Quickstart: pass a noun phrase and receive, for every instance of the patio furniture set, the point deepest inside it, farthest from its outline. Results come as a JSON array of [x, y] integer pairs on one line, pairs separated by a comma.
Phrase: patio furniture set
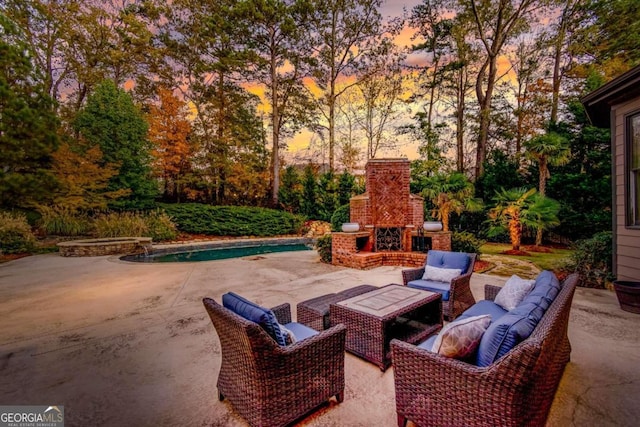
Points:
[[490, 365]]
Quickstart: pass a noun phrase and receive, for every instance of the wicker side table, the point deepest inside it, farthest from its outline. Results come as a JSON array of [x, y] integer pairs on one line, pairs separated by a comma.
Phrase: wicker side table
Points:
[[314, 312]]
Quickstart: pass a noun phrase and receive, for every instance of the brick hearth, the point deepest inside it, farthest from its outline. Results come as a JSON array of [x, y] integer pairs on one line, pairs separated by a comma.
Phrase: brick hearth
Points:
[[387, 204]]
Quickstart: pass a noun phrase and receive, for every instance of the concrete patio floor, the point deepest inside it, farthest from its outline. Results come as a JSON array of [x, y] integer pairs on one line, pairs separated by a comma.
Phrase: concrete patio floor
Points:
[[126, 344]]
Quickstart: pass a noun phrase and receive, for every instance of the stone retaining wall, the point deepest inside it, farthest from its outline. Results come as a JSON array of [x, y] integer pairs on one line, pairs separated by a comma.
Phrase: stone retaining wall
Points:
[[107, 246]]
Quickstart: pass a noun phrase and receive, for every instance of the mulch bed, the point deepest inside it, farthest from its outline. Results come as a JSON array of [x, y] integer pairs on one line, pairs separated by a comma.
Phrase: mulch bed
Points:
[[11, 257], [538, 249], [515, 253], [482, 266]]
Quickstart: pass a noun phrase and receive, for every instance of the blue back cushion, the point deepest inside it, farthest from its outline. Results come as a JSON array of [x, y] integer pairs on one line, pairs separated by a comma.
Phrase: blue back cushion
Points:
[[519, 323], [255, 313], [484, 307], [502, 335], [544, 291], [444, 259]]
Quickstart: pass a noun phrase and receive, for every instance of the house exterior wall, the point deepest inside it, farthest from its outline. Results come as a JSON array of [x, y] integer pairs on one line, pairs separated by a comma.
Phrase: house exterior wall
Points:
[[627, 239]]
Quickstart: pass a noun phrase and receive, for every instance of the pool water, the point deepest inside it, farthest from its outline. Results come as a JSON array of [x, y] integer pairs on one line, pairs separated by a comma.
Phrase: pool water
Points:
[[211, 254]]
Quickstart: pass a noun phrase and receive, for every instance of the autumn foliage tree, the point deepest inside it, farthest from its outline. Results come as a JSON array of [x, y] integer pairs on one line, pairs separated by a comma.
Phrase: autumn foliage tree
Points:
[[169, 131], [82, 180]]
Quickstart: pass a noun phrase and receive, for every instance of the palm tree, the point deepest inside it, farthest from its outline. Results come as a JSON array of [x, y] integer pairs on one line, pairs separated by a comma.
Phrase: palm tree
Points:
[[550, 149], [519, 208], [450, 193]]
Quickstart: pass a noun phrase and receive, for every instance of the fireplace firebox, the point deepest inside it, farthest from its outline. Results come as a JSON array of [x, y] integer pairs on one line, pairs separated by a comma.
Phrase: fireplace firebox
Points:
[[388, 239]]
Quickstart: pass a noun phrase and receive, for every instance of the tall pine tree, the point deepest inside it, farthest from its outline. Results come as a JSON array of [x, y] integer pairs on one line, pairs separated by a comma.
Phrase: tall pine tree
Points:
[[111, 121], [28, 124]]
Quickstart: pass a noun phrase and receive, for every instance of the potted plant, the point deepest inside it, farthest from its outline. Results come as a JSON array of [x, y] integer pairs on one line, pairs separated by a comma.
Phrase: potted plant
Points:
[[628, 293]]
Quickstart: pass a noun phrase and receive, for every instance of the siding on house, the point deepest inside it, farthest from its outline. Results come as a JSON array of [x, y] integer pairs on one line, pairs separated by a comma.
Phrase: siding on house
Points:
[[627, 264]]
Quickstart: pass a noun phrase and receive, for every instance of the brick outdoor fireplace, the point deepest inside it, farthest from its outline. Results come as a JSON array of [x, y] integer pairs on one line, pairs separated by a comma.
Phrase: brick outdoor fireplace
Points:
[[390, 220]]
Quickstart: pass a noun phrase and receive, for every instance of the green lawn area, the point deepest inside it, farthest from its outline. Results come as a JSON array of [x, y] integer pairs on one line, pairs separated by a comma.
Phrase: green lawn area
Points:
[[545, 261]]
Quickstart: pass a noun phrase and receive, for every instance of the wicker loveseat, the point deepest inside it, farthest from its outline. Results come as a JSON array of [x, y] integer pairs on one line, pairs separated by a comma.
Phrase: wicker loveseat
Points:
[[516, 389], [270, 384], [456, 296]]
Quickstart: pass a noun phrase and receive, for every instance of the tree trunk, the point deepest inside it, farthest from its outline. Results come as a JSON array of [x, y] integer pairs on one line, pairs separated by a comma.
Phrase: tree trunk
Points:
[[219, 194], [515, 233], [275, 125], [543, 171], [445, 219], [460, 122], [332, 91], [557, 75]]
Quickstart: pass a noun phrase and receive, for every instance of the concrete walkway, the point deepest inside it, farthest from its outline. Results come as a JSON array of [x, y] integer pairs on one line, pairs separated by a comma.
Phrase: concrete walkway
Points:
[[126, 344]]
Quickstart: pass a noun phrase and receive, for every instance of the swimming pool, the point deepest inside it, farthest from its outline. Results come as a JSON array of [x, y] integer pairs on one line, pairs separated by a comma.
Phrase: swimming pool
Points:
[[220, 251]]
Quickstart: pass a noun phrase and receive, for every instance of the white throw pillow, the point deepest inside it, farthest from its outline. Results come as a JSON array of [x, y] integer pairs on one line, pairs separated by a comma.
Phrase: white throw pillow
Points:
[[460, 339], [513, 292], [440, 274]]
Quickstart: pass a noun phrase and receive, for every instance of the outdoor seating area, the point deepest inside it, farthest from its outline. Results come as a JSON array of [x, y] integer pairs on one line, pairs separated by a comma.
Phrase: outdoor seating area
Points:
[[499, 363], [142, 336]]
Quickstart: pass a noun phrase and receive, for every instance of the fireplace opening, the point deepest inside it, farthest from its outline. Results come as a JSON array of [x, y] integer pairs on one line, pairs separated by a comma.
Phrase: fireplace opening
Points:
[[388, 239], [362, 243], [420, 243]]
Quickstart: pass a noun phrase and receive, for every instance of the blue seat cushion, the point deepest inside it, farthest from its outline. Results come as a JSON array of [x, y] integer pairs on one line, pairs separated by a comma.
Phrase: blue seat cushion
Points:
[[430, 285], [300, 331], [254, 313], [502, 335], [444, 259], [484, 307], [428, 343]]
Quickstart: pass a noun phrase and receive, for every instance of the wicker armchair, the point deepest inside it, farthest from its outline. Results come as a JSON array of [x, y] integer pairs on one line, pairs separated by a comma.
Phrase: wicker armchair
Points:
[[273, 385], [515, 390], [460, 296]]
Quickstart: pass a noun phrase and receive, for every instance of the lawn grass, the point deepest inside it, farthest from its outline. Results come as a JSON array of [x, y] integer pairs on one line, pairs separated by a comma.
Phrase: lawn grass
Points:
[[552, 260]]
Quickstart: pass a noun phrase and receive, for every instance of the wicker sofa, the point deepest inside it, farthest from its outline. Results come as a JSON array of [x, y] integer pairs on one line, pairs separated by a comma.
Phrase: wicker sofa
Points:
[[456, 296], [269, 384], [516, 389]]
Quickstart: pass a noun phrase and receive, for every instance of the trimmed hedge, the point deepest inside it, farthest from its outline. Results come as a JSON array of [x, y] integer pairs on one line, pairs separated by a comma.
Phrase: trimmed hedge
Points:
[[232, 220]]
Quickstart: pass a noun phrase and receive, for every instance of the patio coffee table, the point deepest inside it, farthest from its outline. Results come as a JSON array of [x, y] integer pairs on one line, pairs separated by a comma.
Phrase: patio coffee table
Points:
[[394, 311]]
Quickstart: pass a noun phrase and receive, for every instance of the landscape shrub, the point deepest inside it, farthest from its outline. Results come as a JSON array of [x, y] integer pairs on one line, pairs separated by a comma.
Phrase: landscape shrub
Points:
[[160, 226], [233, 220], [155, 224], [61, 221], [339, 217], [593, 259], [464, 241], [120, 224], [15, 234], [323, 246]]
